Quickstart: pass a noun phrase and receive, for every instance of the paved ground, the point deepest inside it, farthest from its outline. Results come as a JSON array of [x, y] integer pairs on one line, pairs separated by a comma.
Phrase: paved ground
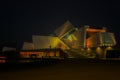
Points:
[[65, 70]]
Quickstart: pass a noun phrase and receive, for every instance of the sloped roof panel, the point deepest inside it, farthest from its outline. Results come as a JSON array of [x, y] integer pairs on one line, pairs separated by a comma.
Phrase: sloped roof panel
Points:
[[60, 31]]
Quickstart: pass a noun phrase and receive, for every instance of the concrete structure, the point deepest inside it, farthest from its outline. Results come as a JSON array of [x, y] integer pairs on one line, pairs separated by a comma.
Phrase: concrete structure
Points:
[[69, 37], [64, 30], [43, 42], [84, 37], [28, 46], [101, 39], [98, 37]]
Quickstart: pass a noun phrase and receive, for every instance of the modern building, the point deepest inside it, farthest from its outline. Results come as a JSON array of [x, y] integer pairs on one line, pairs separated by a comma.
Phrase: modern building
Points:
[[84, 37], [68, 37]]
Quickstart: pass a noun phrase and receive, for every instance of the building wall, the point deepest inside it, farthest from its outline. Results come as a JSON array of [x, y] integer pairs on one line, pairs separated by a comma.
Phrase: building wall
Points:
[[27, 46], [82, 36], [101, 39], [108, 39], [42, 42]]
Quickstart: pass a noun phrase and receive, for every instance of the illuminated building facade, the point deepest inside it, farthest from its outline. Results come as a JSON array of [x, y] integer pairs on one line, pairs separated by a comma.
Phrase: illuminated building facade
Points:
[[99, 37], [69, 37], [87, 40], [84, 37], [43, 42], [43, 53]]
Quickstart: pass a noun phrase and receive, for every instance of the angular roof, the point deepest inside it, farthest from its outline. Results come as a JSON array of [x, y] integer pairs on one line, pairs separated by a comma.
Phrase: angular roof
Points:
[[63, 29]]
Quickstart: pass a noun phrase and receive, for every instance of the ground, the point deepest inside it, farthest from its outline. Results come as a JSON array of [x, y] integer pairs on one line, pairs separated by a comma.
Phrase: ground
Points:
[[64, 70]]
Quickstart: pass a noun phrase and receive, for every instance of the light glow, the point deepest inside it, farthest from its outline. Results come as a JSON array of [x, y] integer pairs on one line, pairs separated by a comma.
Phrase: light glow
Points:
[[109, 48], [99, 50], [95, 30]]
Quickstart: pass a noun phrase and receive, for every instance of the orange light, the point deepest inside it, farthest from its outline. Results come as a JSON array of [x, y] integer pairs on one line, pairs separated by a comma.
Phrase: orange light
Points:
[[3, 57], [96, 30], [2, 61], [88, 43]]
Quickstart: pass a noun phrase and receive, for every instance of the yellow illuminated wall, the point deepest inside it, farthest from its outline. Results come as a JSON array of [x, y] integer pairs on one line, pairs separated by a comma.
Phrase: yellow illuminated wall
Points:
[[42, 42]]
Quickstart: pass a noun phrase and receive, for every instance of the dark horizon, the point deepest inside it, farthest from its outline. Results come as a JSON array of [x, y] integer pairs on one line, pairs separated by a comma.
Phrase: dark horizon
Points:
[[22, 19]]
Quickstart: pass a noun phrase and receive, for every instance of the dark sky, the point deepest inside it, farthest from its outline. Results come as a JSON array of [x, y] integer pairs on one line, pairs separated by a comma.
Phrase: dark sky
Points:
[[22, 19]]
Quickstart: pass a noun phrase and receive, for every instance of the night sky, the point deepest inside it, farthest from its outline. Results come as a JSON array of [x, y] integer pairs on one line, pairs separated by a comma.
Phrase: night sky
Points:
[[22, 19]]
